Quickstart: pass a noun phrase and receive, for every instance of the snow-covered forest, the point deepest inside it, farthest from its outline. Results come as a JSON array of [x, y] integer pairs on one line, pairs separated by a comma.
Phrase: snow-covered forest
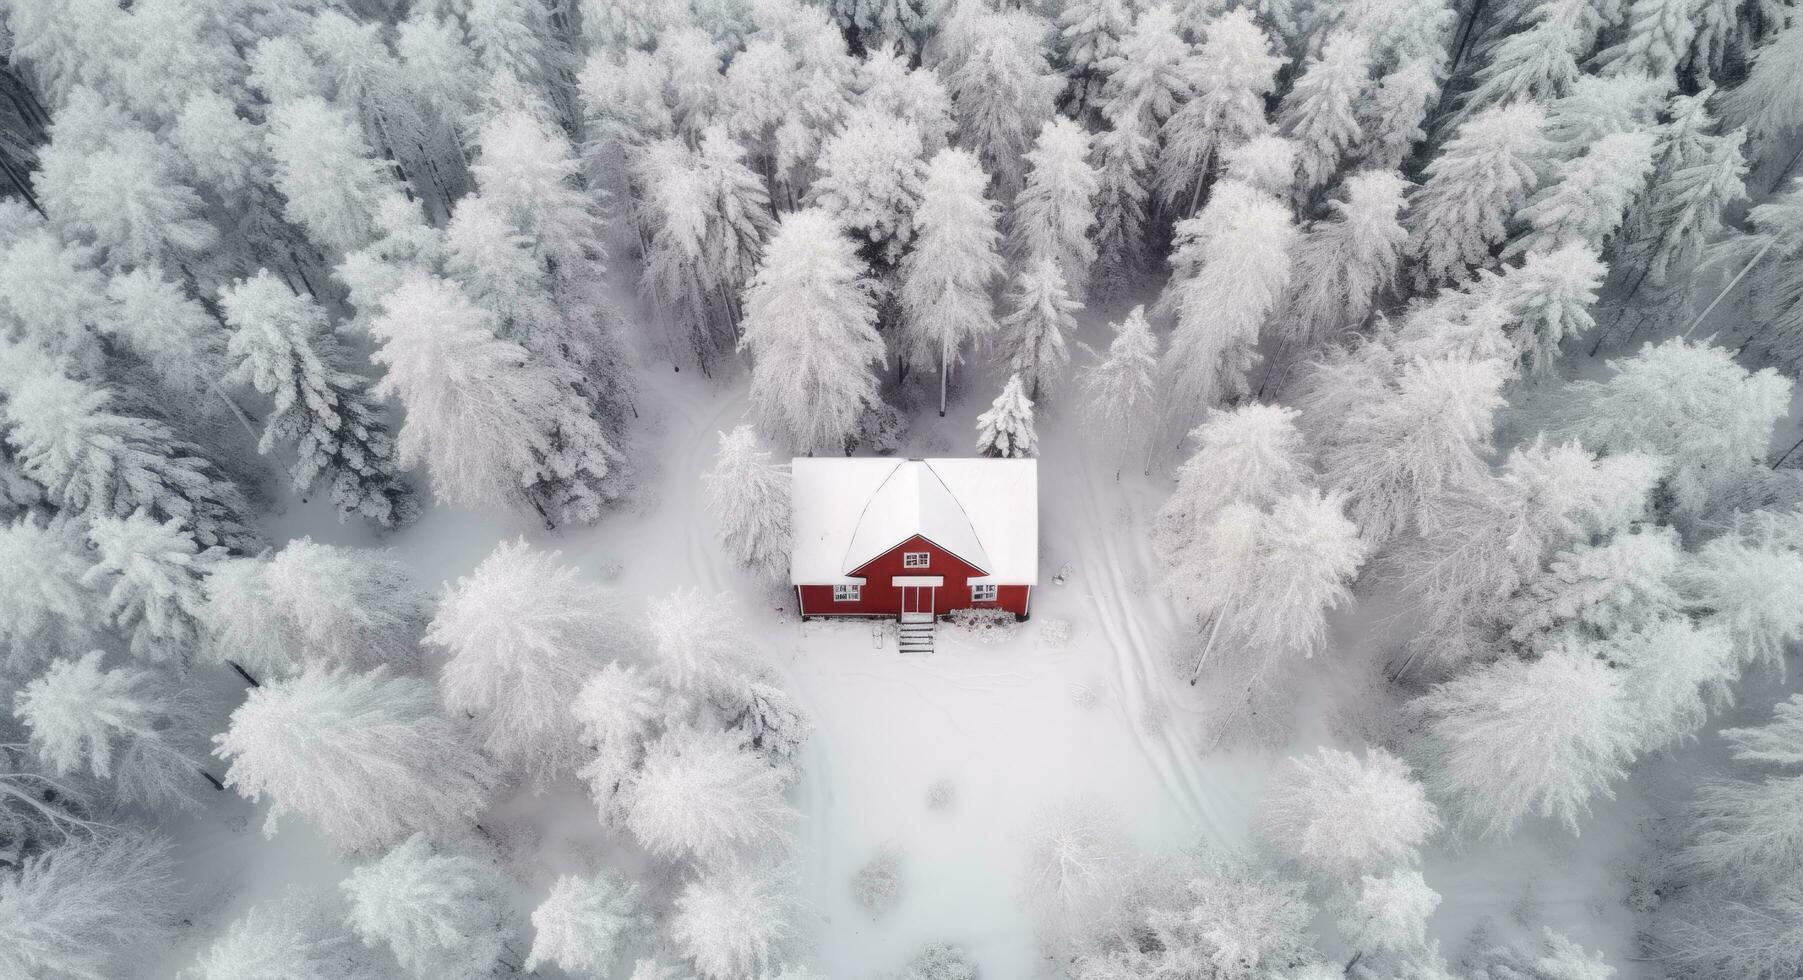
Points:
[[396, 400]]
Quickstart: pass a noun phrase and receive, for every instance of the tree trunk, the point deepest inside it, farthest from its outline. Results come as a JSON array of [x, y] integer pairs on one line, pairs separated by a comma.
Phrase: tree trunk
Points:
[[21, 185], [1793, 448], [945, 367], [1742, 274], [209, 777], [252, 681]]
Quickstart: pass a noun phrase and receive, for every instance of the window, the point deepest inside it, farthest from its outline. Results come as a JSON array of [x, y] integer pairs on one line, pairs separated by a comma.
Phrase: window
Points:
[[982, 593], [847, 593], [916, 559]]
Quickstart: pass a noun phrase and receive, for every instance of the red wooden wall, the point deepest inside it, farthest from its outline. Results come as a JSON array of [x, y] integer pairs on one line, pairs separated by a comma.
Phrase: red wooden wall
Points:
[[880, 597]]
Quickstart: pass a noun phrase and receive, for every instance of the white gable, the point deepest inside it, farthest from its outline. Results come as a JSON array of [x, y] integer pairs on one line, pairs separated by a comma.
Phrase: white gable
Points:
[[848, 511]]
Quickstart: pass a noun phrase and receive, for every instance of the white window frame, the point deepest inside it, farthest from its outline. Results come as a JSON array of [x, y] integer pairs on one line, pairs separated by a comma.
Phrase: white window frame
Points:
[[982, 593], [847, 593], [917, 559]]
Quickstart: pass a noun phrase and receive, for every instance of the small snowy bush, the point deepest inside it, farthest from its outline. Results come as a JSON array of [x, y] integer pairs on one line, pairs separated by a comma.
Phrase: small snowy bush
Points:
[[939, 961], [1055, 633], [941, 794], [986, 625], [877, 884]]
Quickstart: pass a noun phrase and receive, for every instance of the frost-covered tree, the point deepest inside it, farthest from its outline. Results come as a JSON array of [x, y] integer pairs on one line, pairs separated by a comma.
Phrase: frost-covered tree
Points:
[[282, 346], [1123, 158], [87, 909], [328, 175], [153, 573], [1341, 816], [584, 923], [1697, 173], [617, 711], [1344, 264], [1386, 920], [1075, 868], [1676, 670], [1657, 39], [1148, 74], [871, 173], [947, 275], [1042, 315], [1307, 553], [55, 299], [1429, 427], [1003, 90], [698, 644], [1766, 102], [523, 631], [1473, 187], [367, 758], [1586, 201], [699, 794], [1548, 297], [125, 725], [1539, 60], [493, 426], [1055, 212], [810, 317], [735, 921], [1252, 454], [1119, 388], [45, 610], [749, 497], [1006, 430], [1691, 403], [1232, 266], [1601, 588], [1518, 738], [96, 461], [291, 939], [1234, 71], [158, 323], [1392, 114], [441, 914], [1319, 111], [1750, 831], [1091, 32], [1555, 958], [1746, 579]]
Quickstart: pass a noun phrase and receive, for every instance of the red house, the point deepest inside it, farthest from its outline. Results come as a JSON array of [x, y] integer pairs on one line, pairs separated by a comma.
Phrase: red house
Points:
[[914, 538]]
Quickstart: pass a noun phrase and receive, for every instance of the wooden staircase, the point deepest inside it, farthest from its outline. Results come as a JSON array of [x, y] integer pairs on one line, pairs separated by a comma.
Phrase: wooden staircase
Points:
[[917, 633]]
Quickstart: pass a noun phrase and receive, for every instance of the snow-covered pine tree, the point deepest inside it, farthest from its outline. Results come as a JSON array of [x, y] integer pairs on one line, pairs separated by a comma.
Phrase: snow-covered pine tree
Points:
[[1251, 454], [810, 317], [1091, 32], [1119, 388], [1232, 265], [44, 608], [1233, 72], [1519, 738], [700, 795], [889, 86], [1588, 198], [1598, 589], [1690, 403], [89, 908], [1346, 263], [1766, 103], [1123, 161], [95, 461], [947, 275], [1481, 177], [1656, 41], [1319, 110], [367, 758], [1539, 60], [1775, 285], [749, 496], [1386, 921], [1675, 671], [584, 924], [523, 631], [1746, 831], [734, 921], [126, 725], [1043, 315], [1341, 816], [1393, 115], [1696, 175], [493, 426], [1429, 428], [1006, 430], [1003, 90], [296, 938], [1308, 553], [698, 643], [1547, 298], [441, 914], [1745, 579], [282, 346], [155, 320], [1055, 212], [153, 573], [330, 179], [55, 298], [617, 711], [871, 173]]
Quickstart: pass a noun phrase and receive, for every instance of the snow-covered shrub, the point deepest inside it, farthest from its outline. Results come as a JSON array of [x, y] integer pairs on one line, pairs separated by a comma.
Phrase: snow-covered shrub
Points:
[[941, 794], [939, 961], [1055, 633], [877, 885], [985, 625]]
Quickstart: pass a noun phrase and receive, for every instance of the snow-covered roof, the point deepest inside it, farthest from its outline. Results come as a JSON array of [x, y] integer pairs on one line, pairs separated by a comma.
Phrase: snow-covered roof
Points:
[[848, 511]]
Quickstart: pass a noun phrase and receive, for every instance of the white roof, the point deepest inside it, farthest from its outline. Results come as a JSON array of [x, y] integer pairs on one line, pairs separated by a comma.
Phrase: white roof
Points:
[[848, 511]]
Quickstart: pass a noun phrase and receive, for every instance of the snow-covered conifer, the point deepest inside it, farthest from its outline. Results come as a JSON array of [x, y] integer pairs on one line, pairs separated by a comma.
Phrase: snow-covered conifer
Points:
[[441, 914], [698, 643], [584, 923], [282, 346], [1043, 315], [1308, 553], [1319, 110], [1055, 212], [1589, 196], [735, 921], [871, 174], [1676, 670], [1690, 403], [615, 712], [88, 909], [156, 320], [700, 795], [1548, 297], [1429, 428], [892, 88], [493, 426], [291, 939], [1075, 870], [1346, 263], [1747, 579], [1386, 919], [1626, 581], [1341, 816], [1696, 175], [1657, 39], [810, 317], [1252, 454], [1392, 114], [1473, 187], [1749, 831], [96, 461], [1148, 74], [45, 610], [331, 180], [1118, 389], [523, 631], [55, 298], [154, 574], [749, 496], [1091, 31], [1538, 62], [1766, 102], [1123, 160], [1002, 88], [367, 758], [1006, 430], [1234, 70], [1519, 738], [947, 275]]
